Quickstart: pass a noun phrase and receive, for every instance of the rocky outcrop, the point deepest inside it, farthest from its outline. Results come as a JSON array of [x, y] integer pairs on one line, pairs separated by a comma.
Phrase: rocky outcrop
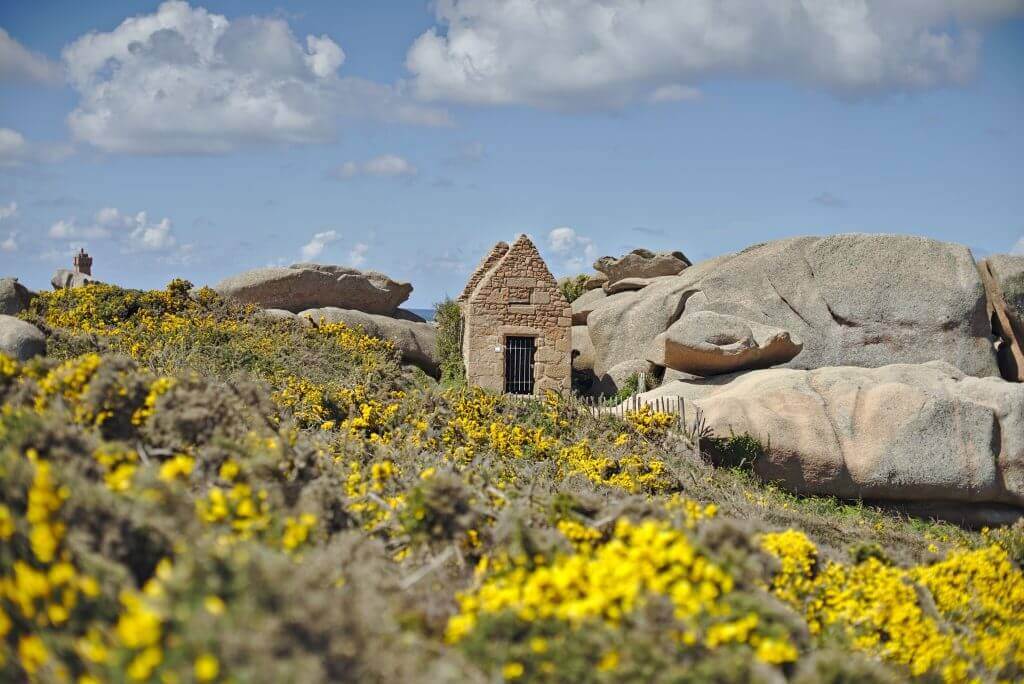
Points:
[[584, 304], [623, 326], [595, 281], [641, 263], [417, 341], [64, 279], [626, 285], [20, 340], [14, 297], [709, 343], [1003, 276], [309, 286], [852, 300], [924, 434], [582, 349]]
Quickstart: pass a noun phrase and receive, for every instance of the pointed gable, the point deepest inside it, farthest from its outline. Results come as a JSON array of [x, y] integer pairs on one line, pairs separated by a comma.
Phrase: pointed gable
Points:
[[520, 278], [483, 268], [516, 297]]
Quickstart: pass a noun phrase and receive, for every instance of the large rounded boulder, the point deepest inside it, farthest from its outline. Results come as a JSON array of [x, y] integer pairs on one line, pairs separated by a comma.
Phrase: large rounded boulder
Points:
[[640, 263], [20, 340], [308, 286], [708, 343], [851, 300], [922, 434], [14, 297], [66, 279]]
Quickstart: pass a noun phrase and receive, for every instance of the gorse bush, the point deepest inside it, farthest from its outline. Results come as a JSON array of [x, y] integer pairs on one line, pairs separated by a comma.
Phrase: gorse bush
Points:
[[191, 492]]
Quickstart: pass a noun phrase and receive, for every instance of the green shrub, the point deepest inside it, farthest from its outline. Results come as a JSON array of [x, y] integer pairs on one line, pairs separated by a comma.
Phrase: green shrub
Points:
[[735, 451], [573, 287], [448, 317]]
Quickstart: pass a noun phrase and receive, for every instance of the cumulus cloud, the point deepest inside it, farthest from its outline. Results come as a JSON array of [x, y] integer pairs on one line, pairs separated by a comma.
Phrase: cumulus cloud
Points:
[[15, 150], [357, 255], [315, 247], [20, 65], [674, 93], [607, 53], [135, 232], [186, 80], [68, 229], [8, 211], [384, 166], [1018, 247], [11, 243], [576, 251]]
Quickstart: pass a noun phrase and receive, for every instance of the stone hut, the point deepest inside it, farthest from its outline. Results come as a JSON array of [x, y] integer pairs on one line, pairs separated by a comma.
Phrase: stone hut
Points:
[[516, 323]]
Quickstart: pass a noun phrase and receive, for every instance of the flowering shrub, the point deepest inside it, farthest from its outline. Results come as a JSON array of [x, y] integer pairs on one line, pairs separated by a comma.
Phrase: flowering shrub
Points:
[[956, 619], [192, 492]]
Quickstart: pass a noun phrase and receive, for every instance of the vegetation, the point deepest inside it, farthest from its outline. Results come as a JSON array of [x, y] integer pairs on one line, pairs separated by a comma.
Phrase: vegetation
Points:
[[192, 492], [448, 317], [573, 287]]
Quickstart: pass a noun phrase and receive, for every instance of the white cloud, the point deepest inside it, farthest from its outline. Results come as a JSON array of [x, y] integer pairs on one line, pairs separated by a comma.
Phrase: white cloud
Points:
[[357, 255], [1018, 247], [151, 237], [185, 80], [9, 211], [11, 243], [576, 251], [135, 232], [607, 53], [68, 229], [15, 150], [674, 93], [315, 247], [384, 166], [20, 65], [13, 147]]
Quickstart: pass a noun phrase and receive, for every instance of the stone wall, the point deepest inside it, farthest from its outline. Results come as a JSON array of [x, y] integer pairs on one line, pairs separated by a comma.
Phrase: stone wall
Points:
[[517, 296]]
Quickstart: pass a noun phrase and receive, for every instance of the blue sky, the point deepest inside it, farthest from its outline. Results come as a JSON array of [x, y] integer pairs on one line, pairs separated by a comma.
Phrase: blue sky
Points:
[[198, 140]]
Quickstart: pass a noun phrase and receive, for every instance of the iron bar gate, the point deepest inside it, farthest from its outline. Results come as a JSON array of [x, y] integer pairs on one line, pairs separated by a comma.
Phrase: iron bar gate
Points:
[[519, 365]]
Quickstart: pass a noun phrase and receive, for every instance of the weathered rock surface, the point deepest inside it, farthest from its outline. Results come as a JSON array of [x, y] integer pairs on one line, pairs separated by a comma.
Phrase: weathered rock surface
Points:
[[626, 285], [596, 281], [623, 325], [608, 383], [417, 341], [1003, 276], [852, 300], [64, 278], [709, 343], [582, 349], [20, 340], [924, 433], [584, 304], [14, 297], [309, 286], [641, 263]]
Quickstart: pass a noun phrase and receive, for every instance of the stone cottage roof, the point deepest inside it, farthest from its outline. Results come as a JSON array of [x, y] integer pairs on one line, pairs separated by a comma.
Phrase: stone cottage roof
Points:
[[483, 268]]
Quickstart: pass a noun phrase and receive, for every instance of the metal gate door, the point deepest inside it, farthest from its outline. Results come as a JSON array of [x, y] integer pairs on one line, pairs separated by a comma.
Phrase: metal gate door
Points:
[[519, 365]]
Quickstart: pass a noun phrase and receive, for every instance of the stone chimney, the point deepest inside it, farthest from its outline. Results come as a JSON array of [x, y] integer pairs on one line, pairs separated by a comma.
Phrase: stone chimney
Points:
[[83, 263]]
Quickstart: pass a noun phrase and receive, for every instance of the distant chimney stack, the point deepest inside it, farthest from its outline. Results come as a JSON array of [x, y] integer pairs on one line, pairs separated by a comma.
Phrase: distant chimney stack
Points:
[[83, 263]]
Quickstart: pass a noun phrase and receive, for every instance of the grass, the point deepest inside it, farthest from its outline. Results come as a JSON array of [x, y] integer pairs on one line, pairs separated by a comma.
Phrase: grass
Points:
[[192, 492]]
